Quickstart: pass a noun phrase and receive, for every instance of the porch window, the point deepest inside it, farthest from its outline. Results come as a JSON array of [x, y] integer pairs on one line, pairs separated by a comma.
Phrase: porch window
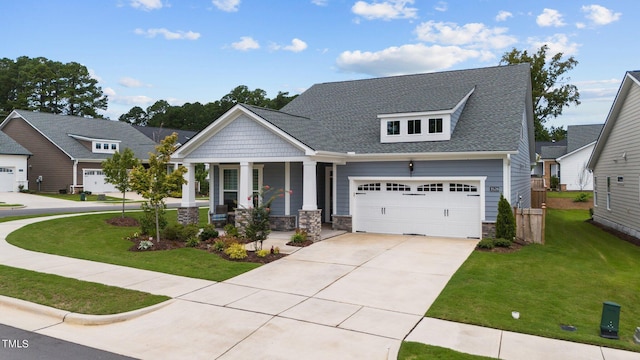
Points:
[[230, 188]]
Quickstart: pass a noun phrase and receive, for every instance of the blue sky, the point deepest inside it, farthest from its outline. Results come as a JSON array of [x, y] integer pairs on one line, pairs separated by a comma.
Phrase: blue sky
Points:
[[182, 51]]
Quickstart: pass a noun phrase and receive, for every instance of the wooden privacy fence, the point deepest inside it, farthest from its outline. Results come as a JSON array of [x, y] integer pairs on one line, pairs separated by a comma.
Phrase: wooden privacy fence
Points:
[[538, 193], [530, 224]]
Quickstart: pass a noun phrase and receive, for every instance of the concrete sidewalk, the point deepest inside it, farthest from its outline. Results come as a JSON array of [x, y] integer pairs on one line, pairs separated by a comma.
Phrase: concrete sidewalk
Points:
[[356, 296]]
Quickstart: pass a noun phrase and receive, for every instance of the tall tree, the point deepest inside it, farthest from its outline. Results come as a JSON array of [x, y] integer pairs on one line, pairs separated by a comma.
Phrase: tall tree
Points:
[[135, 116], [155, 183], [116, 170], [83, 96], [551, 90]]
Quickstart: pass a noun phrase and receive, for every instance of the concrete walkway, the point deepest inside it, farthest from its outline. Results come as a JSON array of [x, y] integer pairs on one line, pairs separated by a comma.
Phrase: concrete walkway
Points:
[[355, 296]]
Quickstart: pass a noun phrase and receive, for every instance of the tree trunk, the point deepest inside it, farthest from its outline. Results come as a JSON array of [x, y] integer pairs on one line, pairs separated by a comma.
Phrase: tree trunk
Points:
[[157, 224], [123, 199]]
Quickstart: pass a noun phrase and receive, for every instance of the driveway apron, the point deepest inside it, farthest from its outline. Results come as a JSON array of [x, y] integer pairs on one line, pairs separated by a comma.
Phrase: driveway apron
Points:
[[355, 296]]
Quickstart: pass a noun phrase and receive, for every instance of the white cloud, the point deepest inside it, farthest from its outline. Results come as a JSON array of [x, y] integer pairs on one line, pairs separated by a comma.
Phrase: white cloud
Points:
[[169, 35], [503, 15], [147, 4], [558, 43], [246, 43], [227, 5], [441, 6], [320, 2], [580, 25], [475, 35], [386, 10], [405, 59], [131, 82], [109, 92], [296, 45], [600, 15], [93, 75], [550, 17]]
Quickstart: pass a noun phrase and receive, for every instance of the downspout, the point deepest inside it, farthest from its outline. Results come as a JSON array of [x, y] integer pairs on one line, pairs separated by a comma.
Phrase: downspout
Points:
[[75, 176], [506, 177]]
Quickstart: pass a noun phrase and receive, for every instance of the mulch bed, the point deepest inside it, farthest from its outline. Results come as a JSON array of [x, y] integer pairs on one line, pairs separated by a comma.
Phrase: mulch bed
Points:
[[300, 244], [515, 246], [174, 244]]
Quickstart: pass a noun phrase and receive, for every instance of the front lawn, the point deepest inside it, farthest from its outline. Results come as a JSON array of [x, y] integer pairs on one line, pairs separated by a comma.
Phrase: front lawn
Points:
[[70, 294], [563, 282], [568, 194], [417, 351], [90, 237], [76, 197]]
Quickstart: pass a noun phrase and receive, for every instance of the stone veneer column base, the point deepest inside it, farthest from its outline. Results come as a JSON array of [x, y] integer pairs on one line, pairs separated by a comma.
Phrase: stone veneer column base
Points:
[[188, 215], [240, 220], [311, 222], [282, 222], [341, 222]]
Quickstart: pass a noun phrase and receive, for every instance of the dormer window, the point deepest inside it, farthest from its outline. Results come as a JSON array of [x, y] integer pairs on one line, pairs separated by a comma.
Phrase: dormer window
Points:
[[393, 127], [415, 127], [105, 147], [435, 126]]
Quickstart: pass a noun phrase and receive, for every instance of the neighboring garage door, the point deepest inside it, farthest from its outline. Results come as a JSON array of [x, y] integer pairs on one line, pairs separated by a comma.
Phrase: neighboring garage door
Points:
[[94, 181], [432, 208], [7, 179]]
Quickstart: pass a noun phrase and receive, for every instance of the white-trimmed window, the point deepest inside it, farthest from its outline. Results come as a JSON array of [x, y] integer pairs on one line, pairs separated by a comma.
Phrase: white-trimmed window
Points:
[[435, 126], [105, 147], [393, 127], [414, 127], [608, 192], [229, 184]]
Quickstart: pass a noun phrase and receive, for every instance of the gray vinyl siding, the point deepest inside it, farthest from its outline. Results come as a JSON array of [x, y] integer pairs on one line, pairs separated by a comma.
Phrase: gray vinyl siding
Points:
[[244, 138], [296, 186], [273, 176], [492, 169], [521, 173], [625, 196]]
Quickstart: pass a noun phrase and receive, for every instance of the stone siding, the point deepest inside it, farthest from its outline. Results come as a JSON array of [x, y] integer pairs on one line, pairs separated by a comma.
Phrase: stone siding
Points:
[[188, 215], [311, 222], [282, 222], [341, 222]]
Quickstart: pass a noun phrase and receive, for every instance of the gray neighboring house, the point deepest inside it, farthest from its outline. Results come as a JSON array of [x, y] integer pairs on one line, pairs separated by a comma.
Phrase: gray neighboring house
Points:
[[13, 164], [157, 134], [67, 151], [422, 154], [615, 162]]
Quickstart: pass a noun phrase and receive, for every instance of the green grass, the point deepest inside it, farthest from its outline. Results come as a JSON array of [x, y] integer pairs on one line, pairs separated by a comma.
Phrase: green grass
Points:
[[90, 237], [564, 281], [567, 194], [71, 294], [417, 351]]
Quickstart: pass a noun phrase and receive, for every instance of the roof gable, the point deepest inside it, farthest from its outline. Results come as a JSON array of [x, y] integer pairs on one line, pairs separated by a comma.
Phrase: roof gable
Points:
[[8, 146], [631, 79], [64, 131]]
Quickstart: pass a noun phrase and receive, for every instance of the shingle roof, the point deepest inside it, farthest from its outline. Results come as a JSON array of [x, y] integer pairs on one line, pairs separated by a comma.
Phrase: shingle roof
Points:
[[8, 146], [635, 74], [541, 144], [58, 128], [342, 116], [552, 152], [158, 133], [581, 135]]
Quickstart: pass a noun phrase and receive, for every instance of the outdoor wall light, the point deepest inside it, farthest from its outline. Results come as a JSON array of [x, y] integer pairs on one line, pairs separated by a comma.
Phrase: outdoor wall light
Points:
[[410, 165]]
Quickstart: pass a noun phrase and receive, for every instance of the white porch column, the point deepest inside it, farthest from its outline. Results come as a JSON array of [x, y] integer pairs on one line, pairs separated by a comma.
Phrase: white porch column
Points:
[[189, 189], [212, 190], [309, 197], [287, 187], [245, 186]]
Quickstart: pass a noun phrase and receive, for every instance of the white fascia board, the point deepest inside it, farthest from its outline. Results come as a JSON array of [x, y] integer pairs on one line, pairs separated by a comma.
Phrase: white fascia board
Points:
[[415, 114], [86, 138], [241, 159], [463, 100], [476, 155], [575, 151]]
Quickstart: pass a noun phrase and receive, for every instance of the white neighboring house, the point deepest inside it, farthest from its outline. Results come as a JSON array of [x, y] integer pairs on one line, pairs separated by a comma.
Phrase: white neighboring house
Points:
[[574, 174], [13, 164]]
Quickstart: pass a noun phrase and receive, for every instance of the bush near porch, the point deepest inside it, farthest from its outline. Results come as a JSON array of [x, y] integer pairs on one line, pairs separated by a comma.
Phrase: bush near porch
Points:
[[563, 282]]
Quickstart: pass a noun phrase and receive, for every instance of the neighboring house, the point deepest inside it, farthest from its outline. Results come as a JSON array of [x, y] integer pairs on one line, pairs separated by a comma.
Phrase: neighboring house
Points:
[[68, 150], [546, 154], [615, 162], [13, 164], [417, 154], [581, 139]]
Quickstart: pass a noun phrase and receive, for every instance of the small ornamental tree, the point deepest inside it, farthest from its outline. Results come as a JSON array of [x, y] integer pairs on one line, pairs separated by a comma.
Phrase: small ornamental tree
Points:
[[256, 218], [116, 170], [506, 221], [155, 183]]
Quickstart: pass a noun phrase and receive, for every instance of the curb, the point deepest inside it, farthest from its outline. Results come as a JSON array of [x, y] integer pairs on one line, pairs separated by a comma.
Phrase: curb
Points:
[[76, 318]]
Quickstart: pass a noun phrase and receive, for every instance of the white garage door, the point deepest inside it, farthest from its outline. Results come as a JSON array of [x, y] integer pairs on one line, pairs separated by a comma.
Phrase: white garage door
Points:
[[94, 181], [432, 208], [7, 179]]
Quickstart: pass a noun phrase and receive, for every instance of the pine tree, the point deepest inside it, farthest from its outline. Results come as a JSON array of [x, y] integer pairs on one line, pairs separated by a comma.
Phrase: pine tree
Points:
[[506, 221]]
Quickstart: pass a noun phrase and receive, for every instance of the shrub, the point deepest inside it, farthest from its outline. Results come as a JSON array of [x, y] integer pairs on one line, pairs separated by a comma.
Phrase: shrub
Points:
[[148, 219], [506, 221], [230, 229], [502, 242], [145, 245], [276, 250], [219, 245], [208, 232], [299, 236], [486, 243], [192, 241], [555, 182], [262, 253], [236, 251], [180, 232], [581, 197], [591, 213]]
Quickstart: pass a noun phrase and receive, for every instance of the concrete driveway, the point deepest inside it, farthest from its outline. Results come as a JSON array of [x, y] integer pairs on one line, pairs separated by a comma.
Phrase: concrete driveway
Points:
[[355, 296]]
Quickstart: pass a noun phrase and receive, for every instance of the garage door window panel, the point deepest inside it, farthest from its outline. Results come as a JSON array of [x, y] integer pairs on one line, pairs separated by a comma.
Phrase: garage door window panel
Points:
[[398, 187], [435, 187]]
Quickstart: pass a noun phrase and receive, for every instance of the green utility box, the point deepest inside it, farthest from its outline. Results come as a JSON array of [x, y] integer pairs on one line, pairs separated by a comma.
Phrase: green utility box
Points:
[[610, 321], [83, 196]]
